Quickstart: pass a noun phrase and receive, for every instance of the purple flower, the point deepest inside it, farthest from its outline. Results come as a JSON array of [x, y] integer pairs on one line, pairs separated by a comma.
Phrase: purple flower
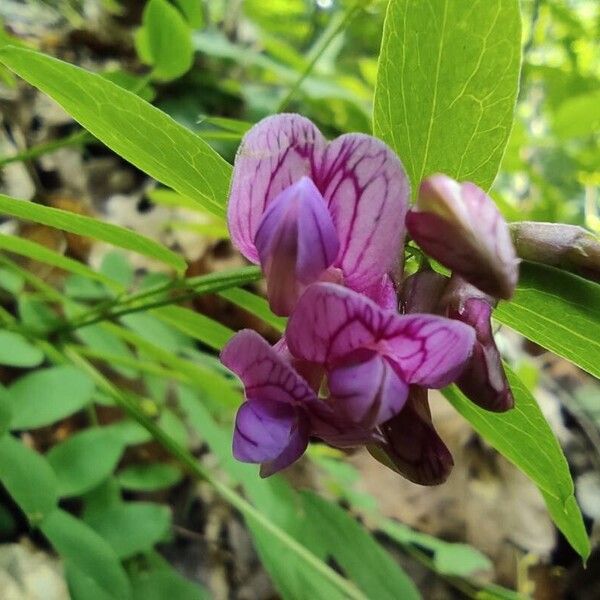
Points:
[[371, 355], [272, 425], [459, 225], [308, 210]]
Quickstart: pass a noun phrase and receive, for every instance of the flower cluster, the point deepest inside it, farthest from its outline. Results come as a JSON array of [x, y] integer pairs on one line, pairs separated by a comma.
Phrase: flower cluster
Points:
[[327, 222]]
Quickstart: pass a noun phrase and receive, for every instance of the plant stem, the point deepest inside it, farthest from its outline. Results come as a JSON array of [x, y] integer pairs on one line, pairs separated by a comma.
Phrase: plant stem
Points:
[[190, 288], [320, 46]]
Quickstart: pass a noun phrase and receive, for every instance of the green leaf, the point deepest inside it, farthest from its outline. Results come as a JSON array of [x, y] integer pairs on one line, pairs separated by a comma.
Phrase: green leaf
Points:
[[82, 547], [447, 85], [452, 559], [196, 325], [11, 281], [85, 459], [5, 411], [163, 583], [578, 116], [192, 11], [134, 129], [47, 395], [28, 478], [36, 251], [255, 305], [116, 267], [131, 527], [36, 315], [86, 226], [149, 477], [166, 40], [17, 351], [156, 332], [559, 311], [359, 555], [524, 437]]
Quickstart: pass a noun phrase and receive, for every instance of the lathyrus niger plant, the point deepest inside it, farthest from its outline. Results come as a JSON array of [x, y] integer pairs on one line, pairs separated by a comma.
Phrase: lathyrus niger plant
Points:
[[386, 263]]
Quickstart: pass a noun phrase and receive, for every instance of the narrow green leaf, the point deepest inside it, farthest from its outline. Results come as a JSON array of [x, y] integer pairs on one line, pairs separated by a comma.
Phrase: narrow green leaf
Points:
[[447, 85], [559, 311], [45, 396], [255, 305], [82, 547], [134, 129], [28, 478], [149, 477], [89, 227], [361, 557], [164, 583], [35, 251], [166, 40], [131, 528], [196, 325], [85, 459], [16, 351], [524, 437], [5, 411]]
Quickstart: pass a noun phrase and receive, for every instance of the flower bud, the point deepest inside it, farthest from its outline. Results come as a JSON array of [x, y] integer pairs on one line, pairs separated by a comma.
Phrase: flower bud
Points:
[[422, 292], [483, 380], [559, 245], [459, 225]]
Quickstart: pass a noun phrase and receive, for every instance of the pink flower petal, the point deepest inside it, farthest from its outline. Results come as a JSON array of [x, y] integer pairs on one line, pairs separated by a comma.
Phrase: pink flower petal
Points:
[[275, 153], [330, 322], [265, 373], [366, 392], [367, 191]]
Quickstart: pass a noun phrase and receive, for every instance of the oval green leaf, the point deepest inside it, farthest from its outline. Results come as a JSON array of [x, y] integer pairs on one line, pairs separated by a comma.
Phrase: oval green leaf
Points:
[[47, 395], [81, 546], [17, 351], [28, 478], [85, 459], [447, 85]]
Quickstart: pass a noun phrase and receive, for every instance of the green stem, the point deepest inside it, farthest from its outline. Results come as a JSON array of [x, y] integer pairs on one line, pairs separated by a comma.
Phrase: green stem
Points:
[[320, 46], [76, 139], [194, 467], [190, 288]]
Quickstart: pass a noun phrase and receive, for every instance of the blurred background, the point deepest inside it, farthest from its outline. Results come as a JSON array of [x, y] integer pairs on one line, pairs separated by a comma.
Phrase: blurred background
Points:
[[227, 64]]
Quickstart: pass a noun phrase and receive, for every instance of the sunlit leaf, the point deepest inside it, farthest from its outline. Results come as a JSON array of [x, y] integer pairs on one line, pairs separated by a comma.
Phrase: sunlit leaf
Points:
[[447, 85], [137, 131], [559, 311], [17, 351]]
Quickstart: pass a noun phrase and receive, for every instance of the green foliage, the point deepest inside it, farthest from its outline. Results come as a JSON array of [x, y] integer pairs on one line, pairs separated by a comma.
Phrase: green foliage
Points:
[[558, 310], [86, 226], [47, 395], [85, 459], [447, 85], [164, 40], [89, 559], [28, 478], [133, 128], [524, 437], [17, 351], [444, 99]]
